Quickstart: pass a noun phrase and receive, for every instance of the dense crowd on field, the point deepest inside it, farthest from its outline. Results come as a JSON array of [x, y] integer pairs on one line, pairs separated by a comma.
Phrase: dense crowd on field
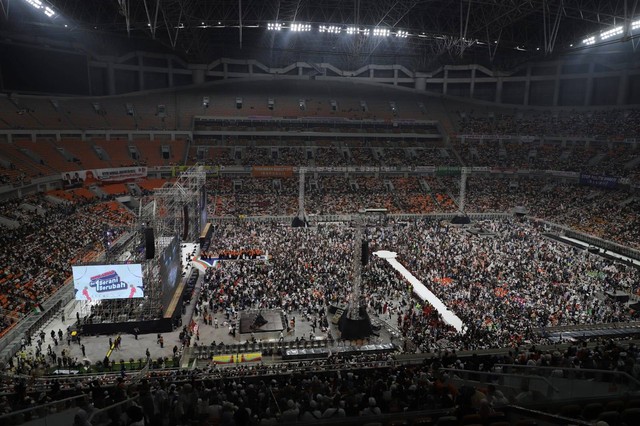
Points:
[[503, 287]]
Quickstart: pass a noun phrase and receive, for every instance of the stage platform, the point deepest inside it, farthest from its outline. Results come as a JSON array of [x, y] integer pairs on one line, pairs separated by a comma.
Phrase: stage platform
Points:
[[274, 322]]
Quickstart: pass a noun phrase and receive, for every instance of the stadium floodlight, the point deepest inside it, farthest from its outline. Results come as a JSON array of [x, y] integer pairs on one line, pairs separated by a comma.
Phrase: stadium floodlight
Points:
[[402, 34], [635, 25], [274, 26], [331, 29], [366, 31], [352, 30], [38, 4], [381, 32], [589, 41], [300, 28], [611, 33]]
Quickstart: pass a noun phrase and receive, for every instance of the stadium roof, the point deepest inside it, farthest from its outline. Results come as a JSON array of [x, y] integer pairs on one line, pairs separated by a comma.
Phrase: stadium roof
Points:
[[202, 30]]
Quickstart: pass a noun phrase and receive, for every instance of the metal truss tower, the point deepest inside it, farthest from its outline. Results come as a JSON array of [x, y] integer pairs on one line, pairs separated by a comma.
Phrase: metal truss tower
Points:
[[177, 210], [355, 322], [173, 211], [301, 218]]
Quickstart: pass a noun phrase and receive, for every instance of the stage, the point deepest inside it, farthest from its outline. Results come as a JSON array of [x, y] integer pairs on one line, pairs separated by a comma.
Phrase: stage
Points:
[[254, 322]]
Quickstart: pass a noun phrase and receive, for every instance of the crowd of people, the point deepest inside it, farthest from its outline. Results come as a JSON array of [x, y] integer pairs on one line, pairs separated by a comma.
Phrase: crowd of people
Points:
[[607, 213], [36, 257], [505, 287], [358, 387], [598, 123]]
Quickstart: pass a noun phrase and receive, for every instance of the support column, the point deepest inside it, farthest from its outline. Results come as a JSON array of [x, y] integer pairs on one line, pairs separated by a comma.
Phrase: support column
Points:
[[111, 78], [527, 86], [623, 86], [444, 82], [420, 83], [498, 98], [198, 73], [588, 96], [472, 84], [140, 74], [556, 86], [170, 72]]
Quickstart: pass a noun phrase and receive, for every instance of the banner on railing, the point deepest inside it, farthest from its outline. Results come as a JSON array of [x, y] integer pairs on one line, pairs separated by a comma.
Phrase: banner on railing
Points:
[[598, 180], [237, 358], [561, 173], [448, 171], [86, 177], [209, 170], [482, 137], [272, 171]]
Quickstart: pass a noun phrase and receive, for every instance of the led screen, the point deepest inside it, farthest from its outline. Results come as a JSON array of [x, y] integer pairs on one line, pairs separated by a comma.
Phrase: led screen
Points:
[[98, 282], [170, 270]]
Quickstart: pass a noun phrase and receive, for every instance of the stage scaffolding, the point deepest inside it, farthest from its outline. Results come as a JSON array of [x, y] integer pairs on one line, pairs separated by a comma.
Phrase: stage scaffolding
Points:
[[173, 211]]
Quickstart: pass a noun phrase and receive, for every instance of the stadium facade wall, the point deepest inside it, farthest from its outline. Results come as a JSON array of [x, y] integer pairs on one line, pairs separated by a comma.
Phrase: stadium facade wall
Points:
[[572, 81]]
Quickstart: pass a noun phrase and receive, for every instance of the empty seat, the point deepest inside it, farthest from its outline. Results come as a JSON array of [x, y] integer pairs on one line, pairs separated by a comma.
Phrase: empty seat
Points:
[[447, 421], [572, 411], [611, 417], [592, 411], [631, 416], [616, 405]]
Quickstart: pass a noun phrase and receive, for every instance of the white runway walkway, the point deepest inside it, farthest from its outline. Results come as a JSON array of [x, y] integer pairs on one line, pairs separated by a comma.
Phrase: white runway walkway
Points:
[[421, 291]]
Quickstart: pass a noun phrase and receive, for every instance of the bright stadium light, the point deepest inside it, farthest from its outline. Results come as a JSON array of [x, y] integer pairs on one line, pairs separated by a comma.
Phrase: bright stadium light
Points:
[[402, 34], [331, 29], [274, 26], [37, 4], [611, 33], [381, 32], [366, 31], [635, 25], [300, 28], [589, 41], [352, 30]]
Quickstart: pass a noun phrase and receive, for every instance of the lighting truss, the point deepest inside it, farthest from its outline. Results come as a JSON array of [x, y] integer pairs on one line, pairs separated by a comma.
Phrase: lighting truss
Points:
[[381, 32], [611, 33], [274, 26], [402, 34], [331, 29], [300, 28], [589, 41], [46, 9], [352, 30]]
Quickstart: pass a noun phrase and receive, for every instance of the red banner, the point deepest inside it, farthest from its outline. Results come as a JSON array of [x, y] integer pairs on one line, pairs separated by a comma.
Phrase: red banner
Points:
[[272, 171]]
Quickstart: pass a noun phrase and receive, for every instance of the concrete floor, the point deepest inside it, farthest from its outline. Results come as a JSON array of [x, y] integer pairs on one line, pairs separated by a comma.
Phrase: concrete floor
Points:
[[97, 347]]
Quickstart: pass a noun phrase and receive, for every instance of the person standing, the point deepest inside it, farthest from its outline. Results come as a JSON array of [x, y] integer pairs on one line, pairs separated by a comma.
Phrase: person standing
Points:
[[83, 350]]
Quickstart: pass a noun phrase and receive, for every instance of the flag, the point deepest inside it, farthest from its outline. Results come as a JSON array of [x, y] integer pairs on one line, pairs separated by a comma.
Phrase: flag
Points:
[[37, 308]]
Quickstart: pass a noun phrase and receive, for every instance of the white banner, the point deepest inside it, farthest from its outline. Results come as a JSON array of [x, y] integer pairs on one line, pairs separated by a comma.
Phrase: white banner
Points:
[[85, 177]]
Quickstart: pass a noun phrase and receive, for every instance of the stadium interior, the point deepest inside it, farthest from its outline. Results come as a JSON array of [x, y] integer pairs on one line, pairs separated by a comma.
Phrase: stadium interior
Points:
[[262, 212]]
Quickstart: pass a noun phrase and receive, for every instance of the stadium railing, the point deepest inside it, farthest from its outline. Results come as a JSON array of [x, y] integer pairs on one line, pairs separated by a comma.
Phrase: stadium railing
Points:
[[43, 412], [10, 342], [602, 383], [590, 239]]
